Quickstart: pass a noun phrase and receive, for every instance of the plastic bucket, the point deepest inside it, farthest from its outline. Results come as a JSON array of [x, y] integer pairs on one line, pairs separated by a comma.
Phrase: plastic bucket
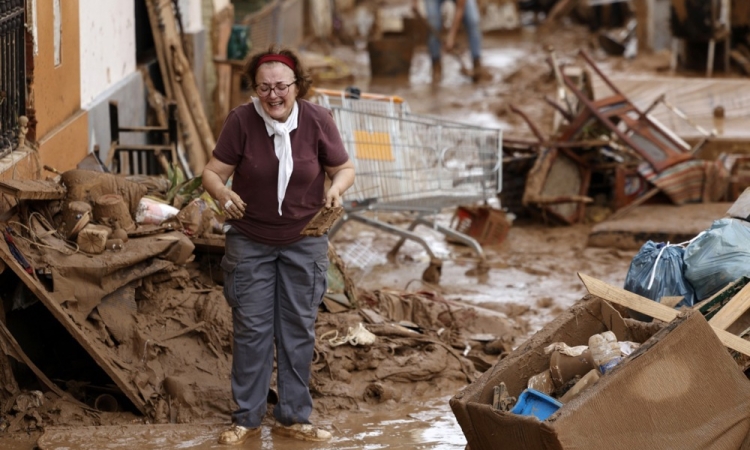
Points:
[[535, 403]]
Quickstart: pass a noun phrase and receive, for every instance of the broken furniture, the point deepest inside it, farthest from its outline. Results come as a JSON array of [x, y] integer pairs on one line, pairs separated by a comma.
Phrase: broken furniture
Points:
[[180, 86], [148, 159], [635, 128], [559, 179]]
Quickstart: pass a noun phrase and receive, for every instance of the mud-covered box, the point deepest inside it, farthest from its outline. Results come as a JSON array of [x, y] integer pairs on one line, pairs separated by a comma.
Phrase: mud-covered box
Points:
[[680, 390]]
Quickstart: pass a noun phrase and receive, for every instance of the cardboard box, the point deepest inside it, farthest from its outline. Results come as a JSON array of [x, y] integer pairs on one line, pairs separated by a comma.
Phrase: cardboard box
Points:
[[680, 389]]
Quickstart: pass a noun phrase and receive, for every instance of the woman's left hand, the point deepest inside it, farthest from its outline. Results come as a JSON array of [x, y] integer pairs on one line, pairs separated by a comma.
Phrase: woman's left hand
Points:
[[333, 197]]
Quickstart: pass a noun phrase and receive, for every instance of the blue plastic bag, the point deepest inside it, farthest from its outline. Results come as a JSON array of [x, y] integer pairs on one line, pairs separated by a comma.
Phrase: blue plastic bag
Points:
[[656, 271], [718, 256]]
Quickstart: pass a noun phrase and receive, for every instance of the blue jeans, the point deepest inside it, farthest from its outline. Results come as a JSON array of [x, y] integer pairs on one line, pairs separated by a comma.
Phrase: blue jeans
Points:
[[470, 20]]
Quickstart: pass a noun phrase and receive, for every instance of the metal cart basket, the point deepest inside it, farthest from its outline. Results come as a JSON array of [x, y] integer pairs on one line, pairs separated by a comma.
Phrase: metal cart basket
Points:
[[417, 164]]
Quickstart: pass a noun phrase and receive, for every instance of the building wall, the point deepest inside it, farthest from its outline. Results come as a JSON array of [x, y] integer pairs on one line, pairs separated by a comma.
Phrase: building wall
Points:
[[97, 64], [57, 88], [108, 45]]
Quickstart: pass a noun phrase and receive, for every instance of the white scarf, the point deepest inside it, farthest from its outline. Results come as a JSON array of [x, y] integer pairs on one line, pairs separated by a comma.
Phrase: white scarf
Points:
[[282, 144]]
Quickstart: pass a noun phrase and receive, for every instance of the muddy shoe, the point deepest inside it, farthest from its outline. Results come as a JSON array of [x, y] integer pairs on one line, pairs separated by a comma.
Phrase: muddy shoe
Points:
[[480, 73], [237, 435], [303, 432], [437, 71]]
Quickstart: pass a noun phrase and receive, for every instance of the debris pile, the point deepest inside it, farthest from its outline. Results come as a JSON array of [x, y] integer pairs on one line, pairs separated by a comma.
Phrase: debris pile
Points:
[[147, 325], [677, 377], [606, 153]]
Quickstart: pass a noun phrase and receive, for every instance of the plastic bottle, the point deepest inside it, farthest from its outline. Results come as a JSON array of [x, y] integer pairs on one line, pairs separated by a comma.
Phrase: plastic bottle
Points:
[[605, 350]]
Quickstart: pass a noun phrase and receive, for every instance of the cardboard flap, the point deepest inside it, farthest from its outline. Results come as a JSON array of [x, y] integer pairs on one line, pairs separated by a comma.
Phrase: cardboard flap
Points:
[[511, 431], [681, 389], [614, 322]]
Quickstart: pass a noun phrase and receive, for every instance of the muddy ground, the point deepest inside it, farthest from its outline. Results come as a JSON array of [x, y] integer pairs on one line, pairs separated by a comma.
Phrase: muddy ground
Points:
[[389, 395]]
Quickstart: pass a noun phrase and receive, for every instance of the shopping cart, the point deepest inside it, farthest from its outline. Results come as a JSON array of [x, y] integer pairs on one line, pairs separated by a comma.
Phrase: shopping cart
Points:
[[421, 165]]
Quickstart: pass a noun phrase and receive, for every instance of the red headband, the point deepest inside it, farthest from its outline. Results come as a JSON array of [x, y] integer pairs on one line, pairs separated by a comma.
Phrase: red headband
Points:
[[279, 58]]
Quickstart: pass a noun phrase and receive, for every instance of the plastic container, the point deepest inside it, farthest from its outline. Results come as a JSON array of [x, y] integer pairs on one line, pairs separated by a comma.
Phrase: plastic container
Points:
[[154, 212], [542, 382], [564, 368], [605, 350], [534, 403]]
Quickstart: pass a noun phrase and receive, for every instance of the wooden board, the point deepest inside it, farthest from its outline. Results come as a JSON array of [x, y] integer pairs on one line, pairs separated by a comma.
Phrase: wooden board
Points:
[[33, 189], [710, 306], [651, 308], [732, 310], [322, 221]]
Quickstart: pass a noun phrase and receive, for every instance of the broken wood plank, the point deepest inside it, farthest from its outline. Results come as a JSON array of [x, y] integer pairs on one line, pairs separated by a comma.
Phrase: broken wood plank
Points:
[[33, 189], [732, 310], [167, 43], [322, 221], [710, 306], [649, 307]]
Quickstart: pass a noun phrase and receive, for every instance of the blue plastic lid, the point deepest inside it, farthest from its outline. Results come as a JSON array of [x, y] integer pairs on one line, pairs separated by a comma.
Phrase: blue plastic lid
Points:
[[534, 403]]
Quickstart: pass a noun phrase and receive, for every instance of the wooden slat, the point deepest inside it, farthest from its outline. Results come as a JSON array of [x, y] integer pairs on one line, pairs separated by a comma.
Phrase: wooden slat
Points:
[[33, 189], [652, 309], [146, 147], [143, 129], [732, 310]]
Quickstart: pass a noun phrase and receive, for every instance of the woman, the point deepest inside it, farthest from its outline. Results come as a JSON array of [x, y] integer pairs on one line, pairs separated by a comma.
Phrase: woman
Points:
[[278, 150]]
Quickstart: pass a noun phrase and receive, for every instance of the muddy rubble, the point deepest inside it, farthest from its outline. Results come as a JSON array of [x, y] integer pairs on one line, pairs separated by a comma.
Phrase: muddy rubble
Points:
[[141, 333]]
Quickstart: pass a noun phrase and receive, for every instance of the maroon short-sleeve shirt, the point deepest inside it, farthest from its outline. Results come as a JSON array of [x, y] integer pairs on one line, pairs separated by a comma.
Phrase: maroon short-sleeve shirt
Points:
[[245, 144]]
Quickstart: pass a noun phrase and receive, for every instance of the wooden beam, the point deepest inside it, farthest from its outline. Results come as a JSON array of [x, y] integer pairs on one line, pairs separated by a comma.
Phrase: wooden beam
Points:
[[732, 310], [649, 307], [33, 189]]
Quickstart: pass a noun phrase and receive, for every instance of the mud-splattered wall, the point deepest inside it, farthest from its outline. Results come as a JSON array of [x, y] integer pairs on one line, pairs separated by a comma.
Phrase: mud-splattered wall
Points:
[[107, 45]]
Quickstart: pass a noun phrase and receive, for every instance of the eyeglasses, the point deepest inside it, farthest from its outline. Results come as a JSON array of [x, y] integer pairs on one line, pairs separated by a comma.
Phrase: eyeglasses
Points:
[[281, 89]]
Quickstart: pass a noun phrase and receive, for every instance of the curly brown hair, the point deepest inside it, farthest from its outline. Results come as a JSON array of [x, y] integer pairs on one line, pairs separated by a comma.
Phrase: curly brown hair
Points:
[[303, 79]]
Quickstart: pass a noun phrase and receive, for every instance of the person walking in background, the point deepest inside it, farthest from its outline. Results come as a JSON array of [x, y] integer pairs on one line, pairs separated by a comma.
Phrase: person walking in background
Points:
[[466, 11], [278, 149]]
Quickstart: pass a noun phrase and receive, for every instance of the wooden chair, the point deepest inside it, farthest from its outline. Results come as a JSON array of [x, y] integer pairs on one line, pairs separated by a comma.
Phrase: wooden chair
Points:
[[148, 159], [635, 128]]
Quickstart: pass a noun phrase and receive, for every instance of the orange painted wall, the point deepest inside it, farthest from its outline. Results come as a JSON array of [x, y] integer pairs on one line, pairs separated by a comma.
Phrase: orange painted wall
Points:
[[57, 90], [64, 147]]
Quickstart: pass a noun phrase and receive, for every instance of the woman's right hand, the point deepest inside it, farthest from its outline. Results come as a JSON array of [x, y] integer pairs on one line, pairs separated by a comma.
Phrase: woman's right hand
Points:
[[231, 203]]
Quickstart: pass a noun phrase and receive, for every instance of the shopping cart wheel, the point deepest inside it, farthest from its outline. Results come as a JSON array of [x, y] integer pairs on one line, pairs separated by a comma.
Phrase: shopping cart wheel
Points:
[[432, 273]]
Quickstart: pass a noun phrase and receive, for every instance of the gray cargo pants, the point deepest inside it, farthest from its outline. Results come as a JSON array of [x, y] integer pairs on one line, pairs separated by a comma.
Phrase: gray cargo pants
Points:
[[274, 292]]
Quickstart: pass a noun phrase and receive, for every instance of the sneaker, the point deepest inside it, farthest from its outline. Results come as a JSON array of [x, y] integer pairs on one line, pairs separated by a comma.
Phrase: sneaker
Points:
[[303, 432], [237, 434]]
